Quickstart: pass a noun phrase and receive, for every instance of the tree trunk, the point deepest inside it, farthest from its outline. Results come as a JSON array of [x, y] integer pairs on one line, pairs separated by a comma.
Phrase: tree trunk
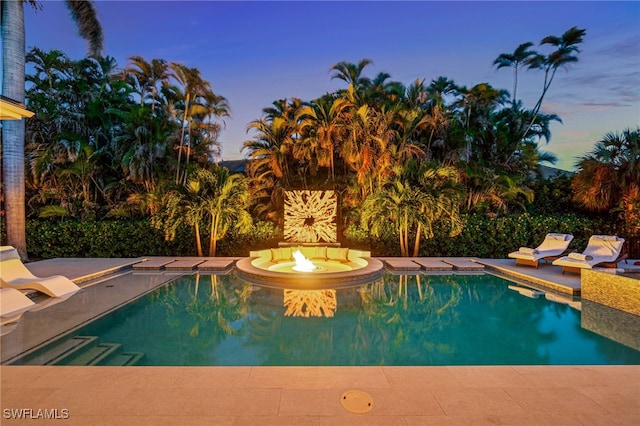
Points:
[[198, 241], [13, 58], [416, 246], [213, 237], [184, 119]]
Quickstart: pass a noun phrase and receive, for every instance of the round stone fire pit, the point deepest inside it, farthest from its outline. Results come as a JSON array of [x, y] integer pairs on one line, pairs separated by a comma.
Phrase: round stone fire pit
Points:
[[329, 267]]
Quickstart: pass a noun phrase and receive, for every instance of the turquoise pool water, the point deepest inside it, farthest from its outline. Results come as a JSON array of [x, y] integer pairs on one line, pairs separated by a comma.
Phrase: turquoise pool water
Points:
[[397, 320]]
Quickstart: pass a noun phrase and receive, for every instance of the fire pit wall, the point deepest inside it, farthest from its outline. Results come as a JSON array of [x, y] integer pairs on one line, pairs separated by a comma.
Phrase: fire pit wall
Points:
[[350, 257]]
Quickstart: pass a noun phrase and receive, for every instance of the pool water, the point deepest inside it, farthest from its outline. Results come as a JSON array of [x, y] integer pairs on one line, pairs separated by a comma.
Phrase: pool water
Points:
[[398, 320]]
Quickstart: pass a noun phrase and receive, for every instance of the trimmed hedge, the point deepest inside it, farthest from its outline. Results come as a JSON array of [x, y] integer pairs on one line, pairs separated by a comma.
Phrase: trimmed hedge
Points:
[[135, 238], [482, 237], [116, 238], [488, 237]]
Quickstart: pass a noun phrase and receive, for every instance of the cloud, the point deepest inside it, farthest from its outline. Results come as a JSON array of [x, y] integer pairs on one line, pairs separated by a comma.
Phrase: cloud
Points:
[[622, 49]]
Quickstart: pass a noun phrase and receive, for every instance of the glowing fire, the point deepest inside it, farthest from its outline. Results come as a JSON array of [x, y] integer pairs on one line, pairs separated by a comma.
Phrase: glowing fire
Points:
[[302, 263]]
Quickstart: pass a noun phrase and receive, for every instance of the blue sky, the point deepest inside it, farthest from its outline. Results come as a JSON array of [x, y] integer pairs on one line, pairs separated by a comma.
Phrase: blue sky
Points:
[[254, 53]]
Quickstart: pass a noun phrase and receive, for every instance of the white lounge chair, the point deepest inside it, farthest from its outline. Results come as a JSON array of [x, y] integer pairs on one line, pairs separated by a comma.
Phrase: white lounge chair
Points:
[[12, 305], [553, 247], [13, 274], [601, 251]]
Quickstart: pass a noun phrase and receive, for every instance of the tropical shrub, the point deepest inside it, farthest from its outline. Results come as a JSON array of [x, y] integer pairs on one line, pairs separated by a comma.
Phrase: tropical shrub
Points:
[[113, 238], [487, 237], [262, 235], [117, 238]]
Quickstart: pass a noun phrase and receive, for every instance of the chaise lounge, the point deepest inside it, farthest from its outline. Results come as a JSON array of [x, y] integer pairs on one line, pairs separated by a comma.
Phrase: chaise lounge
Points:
[[602, 251], [12, 305], [553, 247], [13, 274]]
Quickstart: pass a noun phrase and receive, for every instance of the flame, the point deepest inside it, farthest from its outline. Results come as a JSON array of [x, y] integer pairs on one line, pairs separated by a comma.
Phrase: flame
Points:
[[302, 263]]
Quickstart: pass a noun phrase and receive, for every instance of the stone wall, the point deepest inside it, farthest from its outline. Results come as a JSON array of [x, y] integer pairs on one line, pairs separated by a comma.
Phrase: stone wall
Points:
[[609, 289]]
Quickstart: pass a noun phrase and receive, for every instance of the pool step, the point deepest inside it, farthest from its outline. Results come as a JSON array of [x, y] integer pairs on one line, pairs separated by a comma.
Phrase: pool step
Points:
[[62, 351], [95, 354], [124, 359], [85, 350]]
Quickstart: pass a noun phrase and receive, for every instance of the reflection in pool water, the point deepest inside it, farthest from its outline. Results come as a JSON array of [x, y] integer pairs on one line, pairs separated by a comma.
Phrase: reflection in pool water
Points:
[[309, 303], [396, 320]]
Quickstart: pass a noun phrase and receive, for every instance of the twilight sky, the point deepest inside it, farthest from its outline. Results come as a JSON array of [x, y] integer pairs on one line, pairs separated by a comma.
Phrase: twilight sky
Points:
[[254, 53]]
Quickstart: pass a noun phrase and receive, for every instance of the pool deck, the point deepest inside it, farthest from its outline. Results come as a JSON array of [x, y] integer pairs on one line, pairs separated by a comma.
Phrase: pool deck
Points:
[[459, 395]]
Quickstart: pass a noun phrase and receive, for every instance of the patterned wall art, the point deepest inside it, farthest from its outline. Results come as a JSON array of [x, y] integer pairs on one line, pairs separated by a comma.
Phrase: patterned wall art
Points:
[[310, 216]]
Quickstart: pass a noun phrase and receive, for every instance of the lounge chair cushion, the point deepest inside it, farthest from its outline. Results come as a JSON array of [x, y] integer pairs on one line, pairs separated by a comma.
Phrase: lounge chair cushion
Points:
[[581, 257], [604, 237], [559, 237], [527, 250]]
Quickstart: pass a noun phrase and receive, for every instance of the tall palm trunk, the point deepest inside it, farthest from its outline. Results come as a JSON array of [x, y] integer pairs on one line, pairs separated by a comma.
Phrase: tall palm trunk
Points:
[[13, 132], [416, 246], [213, 236], [184, 120], [198, 241]]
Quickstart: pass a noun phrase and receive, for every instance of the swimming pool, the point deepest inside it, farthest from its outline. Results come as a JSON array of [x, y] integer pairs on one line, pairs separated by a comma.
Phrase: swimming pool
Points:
[[398, 320]]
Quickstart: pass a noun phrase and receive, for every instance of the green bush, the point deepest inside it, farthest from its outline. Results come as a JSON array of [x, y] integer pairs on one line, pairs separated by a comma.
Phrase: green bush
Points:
[[482, 237], [134, 238], [262, 235], [488, 237], [114, 238]]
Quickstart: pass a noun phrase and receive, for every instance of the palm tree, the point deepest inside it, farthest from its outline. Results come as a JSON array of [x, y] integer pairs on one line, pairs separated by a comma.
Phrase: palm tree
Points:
[[413, 208], [517, 59], [397, 203], [146, 76], [508, 150], [269, 152], [443, 194], [608, 177], [477, 108], [352, 73], [382, 92], [214, 195], [490, 191], [13, 86], [182, 205], [322, 124], [226, 204], [49, 68], [195, 90], [565, 54], [141, 144], [271, 149]]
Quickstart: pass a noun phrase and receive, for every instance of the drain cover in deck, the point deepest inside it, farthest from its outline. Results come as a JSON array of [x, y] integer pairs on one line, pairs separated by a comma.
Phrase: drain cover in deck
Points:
[[356, 401]]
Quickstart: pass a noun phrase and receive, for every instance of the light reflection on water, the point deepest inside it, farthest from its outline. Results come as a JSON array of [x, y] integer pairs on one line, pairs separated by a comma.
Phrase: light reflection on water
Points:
[[396, 320]]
